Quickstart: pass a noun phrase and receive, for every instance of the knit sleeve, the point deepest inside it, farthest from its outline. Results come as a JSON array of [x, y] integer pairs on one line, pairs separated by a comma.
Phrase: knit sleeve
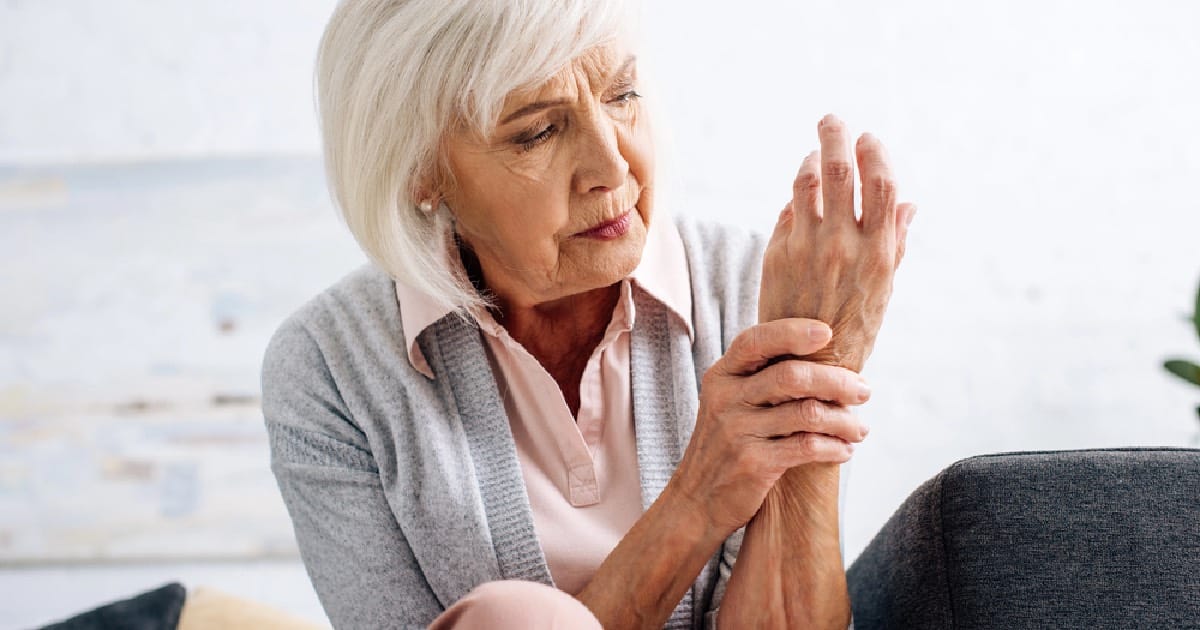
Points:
[[361, 566]]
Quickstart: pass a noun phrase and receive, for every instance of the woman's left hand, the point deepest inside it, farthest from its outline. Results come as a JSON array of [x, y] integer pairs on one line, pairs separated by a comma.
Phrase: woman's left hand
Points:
[[822, 262]]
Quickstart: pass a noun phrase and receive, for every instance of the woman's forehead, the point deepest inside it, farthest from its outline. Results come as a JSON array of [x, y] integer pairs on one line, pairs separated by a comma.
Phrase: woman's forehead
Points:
[[600, 62], [598, 66]]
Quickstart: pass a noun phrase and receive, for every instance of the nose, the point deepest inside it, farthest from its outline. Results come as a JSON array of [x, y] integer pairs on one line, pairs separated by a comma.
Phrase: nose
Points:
[[602, 166]]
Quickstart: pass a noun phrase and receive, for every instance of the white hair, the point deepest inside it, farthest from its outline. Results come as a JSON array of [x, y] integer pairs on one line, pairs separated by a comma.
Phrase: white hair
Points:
[[394, 76]]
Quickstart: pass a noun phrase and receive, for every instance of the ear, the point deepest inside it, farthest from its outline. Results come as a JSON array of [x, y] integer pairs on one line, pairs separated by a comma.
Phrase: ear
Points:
[[422, 190], [434, 182]]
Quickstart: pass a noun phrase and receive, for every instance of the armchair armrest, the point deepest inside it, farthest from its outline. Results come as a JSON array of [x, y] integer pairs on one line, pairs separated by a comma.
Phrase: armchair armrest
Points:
[[1083, 539]]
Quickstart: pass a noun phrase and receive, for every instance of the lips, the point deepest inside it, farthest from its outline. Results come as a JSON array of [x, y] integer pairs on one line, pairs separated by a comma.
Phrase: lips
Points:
[[611, 229]]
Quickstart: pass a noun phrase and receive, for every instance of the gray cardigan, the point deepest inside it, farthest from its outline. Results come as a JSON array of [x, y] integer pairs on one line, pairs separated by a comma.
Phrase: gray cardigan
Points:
[[405, 492]]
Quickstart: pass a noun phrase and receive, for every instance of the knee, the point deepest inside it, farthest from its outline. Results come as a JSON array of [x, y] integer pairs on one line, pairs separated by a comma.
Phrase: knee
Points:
[[520, 604]]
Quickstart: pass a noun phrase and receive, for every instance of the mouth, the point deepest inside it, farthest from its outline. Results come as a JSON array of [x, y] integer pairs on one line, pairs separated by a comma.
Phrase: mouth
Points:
[[610, 229]]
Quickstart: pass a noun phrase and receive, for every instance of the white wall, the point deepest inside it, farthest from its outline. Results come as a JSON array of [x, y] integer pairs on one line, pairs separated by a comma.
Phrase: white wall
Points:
[[1054, 151], [92, 80], [1052, 146]]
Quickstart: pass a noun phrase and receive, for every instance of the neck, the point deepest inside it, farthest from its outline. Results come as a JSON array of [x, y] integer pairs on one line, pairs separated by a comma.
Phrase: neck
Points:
[[554, 330], [561, 333]]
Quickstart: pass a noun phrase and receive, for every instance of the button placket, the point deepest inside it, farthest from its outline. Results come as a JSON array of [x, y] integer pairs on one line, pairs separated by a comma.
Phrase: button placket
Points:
[[581, 482]]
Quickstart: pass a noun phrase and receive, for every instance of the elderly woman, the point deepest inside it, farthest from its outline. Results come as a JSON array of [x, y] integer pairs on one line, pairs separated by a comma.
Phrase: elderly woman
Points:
[[546, 403]]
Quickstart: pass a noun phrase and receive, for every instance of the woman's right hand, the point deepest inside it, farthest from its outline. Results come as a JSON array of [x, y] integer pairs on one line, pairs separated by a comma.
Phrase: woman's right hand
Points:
[[757, 419]]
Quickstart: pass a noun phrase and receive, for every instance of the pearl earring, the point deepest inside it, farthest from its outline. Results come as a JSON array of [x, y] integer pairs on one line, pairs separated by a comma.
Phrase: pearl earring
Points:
[[426, 206]]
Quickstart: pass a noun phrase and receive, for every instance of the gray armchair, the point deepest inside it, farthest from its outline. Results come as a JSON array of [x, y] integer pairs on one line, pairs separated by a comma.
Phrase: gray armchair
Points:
[[1070, 539]]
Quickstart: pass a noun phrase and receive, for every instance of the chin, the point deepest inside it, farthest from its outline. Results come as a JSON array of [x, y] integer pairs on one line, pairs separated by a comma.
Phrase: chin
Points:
[[621, 256], [605, 263]]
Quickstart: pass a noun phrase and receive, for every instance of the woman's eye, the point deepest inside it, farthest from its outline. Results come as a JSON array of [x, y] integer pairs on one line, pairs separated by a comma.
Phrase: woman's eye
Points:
[[528, 143], [627, 97]]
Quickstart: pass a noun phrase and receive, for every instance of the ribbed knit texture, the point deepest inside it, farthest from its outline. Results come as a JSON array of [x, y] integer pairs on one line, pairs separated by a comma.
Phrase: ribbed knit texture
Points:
[[405, 493], [494, 451], [1098, 539]]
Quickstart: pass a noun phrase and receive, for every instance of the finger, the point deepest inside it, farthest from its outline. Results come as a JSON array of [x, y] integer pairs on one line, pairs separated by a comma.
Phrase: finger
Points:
[[757, 345], [810, 416], [878, 187], [837, 173], [784, 223], [904, 217], [806, 448], [806, 190], [795, 379]]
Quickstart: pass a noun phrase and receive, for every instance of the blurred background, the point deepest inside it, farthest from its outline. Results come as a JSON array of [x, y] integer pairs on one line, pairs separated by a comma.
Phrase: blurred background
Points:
[[162, 209]]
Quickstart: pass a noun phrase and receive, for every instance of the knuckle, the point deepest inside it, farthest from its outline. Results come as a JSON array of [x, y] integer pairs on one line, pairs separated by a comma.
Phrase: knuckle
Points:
[[838, 170], [811, 413], [880, 186], [806, 184], [794, 377], [810, 444]]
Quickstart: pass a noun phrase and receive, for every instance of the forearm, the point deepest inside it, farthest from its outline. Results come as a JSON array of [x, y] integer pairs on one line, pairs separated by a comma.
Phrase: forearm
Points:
[[789, 572], [648, 572]]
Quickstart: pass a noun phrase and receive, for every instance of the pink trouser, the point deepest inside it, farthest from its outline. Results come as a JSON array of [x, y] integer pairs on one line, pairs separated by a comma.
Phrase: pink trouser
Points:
[[514, 604]]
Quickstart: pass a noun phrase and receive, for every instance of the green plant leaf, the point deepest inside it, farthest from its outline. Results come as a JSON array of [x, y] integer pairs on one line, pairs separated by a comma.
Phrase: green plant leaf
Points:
[[1185, 370]]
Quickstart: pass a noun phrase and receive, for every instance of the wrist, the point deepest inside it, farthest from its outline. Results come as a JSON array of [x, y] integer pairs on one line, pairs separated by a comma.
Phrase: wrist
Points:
[[810, 483], [689, 521], [805, 499]]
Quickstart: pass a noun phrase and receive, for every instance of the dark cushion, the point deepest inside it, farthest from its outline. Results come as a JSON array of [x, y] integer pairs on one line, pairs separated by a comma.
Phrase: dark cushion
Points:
[[1068, 539], [153, 610]]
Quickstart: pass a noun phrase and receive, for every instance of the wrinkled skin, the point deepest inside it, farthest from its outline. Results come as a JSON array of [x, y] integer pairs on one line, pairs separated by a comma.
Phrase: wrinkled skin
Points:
[[822, 263]]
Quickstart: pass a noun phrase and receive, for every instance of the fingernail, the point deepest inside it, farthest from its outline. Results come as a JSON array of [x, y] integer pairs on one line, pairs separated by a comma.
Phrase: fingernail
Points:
[[864, 391], [829, 119], [911, 215], [818, 333]]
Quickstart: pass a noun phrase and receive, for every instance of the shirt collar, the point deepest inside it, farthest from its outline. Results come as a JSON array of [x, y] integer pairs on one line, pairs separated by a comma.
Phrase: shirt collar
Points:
[[662, 273]]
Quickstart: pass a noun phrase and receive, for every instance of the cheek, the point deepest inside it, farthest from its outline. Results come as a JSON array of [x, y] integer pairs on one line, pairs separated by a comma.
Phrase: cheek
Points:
[[533, 201], [639, 154], [510, 198], [638, 150], [521, 226]]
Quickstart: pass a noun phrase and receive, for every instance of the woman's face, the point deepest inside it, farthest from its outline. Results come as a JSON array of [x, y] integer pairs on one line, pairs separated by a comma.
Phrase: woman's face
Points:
[[556, 201]]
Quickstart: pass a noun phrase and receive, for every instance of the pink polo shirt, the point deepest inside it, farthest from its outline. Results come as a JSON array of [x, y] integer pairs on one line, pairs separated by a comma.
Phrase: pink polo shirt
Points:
[[581, 473]]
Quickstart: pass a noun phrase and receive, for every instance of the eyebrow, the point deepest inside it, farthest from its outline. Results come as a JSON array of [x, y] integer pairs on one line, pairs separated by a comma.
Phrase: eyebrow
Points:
[[538, 106]]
